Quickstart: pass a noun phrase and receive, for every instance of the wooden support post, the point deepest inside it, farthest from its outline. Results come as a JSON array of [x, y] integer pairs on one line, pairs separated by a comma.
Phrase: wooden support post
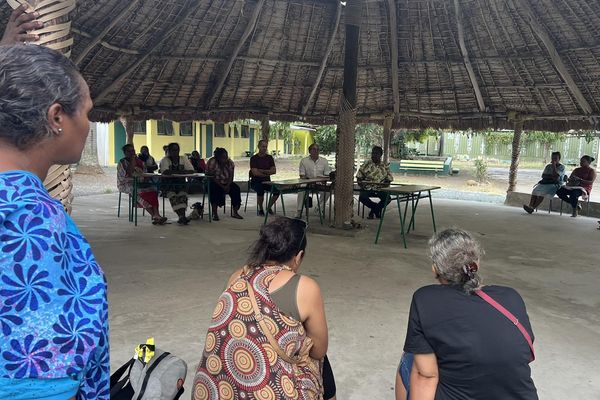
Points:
[[264, 128], [393, 22], [344, 193], [387, 137], [127, 123], [516, 154]]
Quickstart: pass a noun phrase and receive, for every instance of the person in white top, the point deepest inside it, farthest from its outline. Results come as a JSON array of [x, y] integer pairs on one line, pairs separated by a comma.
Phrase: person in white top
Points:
[[176, 188], [312, 166]]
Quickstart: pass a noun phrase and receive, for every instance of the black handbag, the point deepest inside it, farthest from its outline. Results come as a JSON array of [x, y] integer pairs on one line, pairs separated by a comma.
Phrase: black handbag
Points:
[[120, 389]]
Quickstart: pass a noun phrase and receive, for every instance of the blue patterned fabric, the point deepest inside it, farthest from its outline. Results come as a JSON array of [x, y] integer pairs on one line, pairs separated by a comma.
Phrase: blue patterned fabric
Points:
[[53, 305], [40, 389]]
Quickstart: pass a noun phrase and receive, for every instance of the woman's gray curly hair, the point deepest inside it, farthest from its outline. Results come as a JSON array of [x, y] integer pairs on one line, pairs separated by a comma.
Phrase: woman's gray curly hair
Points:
[[455, 253], [33, 78]]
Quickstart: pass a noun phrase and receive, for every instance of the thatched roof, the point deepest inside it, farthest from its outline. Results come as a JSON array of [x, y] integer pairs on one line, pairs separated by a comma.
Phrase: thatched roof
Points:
[[460, 63]]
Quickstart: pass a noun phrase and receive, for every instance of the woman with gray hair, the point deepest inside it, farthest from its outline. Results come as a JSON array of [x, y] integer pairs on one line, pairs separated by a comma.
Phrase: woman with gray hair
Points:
[[468, 341], [53, 305]]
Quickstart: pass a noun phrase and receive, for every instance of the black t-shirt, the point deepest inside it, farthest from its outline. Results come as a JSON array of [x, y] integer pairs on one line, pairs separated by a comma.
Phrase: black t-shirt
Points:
[[481, 355], [261, 162]]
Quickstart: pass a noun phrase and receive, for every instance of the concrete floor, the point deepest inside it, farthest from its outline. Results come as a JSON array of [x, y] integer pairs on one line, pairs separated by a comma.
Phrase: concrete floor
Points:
[[164, 281]]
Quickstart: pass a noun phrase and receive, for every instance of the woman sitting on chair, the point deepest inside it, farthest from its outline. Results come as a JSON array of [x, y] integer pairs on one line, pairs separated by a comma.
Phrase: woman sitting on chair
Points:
[[147, 197], [222, 169], [579, 184], [552, 180]]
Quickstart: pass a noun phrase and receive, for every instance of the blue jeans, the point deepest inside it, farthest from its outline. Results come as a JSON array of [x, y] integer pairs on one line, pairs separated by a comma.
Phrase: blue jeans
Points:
[[404, 369]]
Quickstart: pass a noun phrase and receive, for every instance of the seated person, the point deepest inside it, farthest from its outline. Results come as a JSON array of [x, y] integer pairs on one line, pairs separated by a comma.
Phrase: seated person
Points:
[[147, 197], [269, 283], [459, 346], [262, 166], [176, 188], [222, 169], [198, 162], [313, 166], [552, 180], [371, 175], [149, 161], [579, 184]]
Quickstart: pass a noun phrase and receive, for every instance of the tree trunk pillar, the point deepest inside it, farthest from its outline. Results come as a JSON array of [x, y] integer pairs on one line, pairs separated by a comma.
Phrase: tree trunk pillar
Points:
[[441, 144], [129, 130], [516, 155], [264, 128], [387, 137], [344, 185]]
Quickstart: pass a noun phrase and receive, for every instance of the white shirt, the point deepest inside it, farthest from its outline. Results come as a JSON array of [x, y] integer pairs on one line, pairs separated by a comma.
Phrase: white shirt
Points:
[[184, 163], [314, 169]]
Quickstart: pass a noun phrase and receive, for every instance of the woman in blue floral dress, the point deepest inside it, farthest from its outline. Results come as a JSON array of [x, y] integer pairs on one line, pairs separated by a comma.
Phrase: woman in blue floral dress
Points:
[[53, 305]]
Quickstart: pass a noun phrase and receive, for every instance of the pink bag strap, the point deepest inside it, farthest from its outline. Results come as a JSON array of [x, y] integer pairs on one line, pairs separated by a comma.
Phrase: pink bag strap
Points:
[[510, 316]]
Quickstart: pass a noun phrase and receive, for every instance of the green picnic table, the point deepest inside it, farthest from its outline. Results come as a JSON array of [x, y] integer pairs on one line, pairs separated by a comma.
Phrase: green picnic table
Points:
[[295, 186], [406, 194]]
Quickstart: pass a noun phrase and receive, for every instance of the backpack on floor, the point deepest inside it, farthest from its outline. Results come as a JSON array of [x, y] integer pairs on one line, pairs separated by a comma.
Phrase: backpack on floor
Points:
[[152, 374]]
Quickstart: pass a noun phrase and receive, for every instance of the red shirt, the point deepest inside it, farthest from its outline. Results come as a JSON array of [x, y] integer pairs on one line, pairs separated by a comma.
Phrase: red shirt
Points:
[[587, 174]]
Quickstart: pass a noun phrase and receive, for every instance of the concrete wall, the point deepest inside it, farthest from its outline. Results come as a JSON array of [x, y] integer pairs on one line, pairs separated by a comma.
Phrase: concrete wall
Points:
[[516, 199]]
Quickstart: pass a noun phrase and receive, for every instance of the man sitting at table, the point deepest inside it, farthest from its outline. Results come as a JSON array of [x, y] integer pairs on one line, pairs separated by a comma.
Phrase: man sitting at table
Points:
[[371, 175], [222, 169], [262, 166], [311, 167], [176, 188], [130, 166]]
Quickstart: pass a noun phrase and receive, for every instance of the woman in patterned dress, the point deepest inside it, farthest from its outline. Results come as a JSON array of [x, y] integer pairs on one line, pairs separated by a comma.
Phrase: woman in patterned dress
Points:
[[268, 333], [147, 196], [53, 305]]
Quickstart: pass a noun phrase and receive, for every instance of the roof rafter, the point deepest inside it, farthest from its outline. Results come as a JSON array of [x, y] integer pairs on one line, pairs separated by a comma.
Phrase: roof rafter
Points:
[[336, 25], [466, 59], [394, 54], [555, 57], [104, 32], [161, 38], [249, 28]]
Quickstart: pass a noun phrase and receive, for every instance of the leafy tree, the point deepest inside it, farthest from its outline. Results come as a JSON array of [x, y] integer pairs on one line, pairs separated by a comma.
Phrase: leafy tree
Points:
[[367, 136], [547, 139], [326, 138], [401, 138], [281, 130]]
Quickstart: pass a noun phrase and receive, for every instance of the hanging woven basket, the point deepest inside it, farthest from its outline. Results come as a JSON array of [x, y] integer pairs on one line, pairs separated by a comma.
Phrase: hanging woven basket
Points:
[[55, 35]]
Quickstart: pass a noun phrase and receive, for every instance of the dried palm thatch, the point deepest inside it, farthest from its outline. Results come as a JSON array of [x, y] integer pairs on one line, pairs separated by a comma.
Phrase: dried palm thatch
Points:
[[430, 63], [55, 35]]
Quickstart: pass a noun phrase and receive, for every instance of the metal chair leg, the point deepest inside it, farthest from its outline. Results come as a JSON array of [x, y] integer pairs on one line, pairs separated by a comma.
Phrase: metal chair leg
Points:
[[247, 194], [119, 207]]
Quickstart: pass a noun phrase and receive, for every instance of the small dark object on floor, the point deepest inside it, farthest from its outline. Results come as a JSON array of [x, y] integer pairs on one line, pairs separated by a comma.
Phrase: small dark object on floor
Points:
[[527, 208]]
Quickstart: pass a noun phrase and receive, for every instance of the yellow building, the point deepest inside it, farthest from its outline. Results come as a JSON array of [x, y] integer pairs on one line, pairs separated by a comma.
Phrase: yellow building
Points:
[[239, 138]]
